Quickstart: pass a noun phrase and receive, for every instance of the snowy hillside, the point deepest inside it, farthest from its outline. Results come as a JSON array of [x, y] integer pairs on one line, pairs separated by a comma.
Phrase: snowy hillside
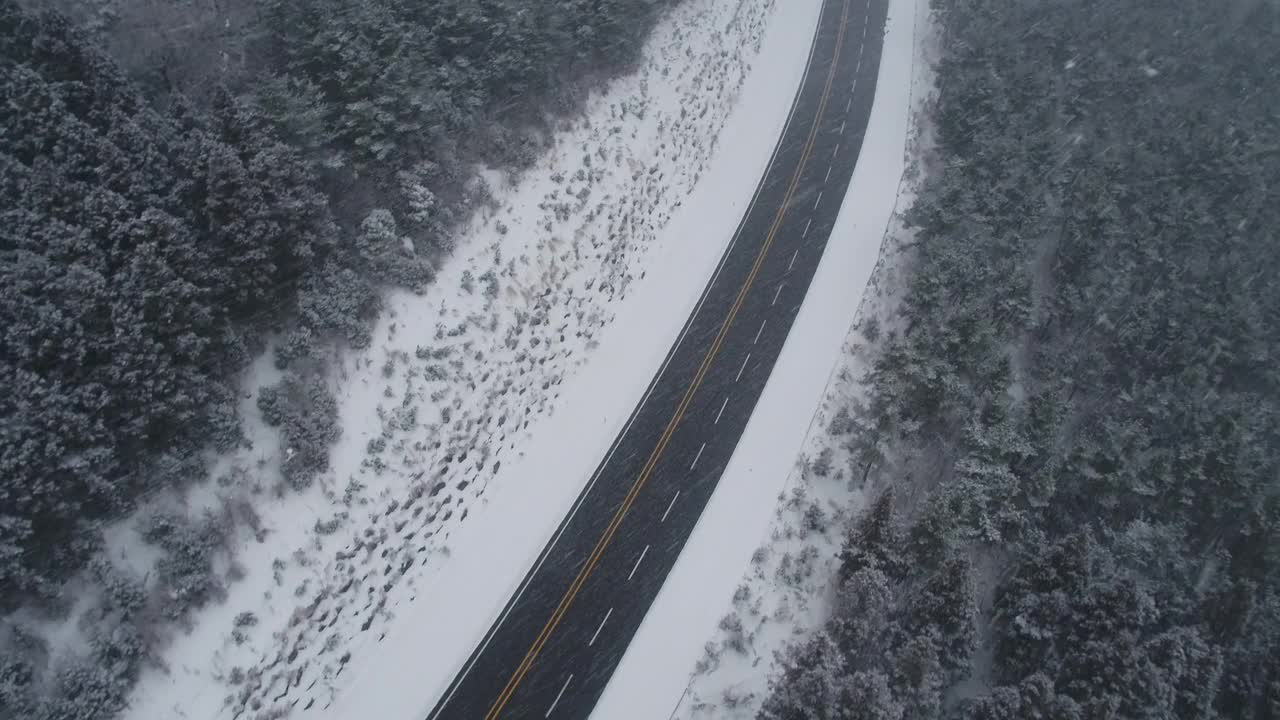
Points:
[[463, 381]]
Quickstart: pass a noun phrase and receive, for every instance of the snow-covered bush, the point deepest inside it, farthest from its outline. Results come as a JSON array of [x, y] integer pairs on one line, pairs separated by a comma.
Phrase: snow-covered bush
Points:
[[307, 414], [187, 579]]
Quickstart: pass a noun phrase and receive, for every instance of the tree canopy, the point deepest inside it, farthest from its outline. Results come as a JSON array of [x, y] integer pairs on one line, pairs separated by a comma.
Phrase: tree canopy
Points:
[[1088, 367]]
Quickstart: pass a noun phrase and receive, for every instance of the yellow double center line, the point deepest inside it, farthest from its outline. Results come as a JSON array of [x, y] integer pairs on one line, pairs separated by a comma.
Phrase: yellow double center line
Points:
[[612, 529]]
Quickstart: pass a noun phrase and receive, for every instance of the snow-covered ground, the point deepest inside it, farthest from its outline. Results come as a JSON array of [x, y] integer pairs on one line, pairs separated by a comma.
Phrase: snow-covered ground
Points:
[[473, 421], [713, 659]]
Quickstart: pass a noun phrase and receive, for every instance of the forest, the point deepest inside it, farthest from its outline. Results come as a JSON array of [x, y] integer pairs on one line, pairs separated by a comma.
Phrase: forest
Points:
[[182, 186], [1076, 435]]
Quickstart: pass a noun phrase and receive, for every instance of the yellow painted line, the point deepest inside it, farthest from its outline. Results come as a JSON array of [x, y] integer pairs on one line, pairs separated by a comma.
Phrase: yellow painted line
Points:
[[532, 654]]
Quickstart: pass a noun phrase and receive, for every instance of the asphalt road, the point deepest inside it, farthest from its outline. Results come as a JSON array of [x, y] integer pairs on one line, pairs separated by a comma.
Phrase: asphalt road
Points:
[[555, 645]]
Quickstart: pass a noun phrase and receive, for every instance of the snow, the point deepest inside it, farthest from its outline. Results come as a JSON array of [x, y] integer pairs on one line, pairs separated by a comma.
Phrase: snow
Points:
[[483, 406], [403, 681], [64, 639], [681, 663]]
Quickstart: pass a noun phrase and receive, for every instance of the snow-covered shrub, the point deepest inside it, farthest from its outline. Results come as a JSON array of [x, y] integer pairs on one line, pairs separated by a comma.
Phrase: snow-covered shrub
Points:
[[307, 414], [815, 518], [822, 465], [735, 637], [187, 580], [85, 690]]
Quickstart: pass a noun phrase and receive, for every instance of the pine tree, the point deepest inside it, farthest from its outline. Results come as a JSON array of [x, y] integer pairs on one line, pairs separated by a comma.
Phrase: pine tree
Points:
[[944, 608], [874, 542]]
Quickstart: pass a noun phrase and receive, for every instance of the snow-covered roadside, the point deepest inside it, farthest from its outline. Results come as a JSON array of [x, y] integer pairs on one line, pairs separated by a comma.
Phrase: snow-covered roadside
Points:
[[483, 573], [365, 593], [681, 662]]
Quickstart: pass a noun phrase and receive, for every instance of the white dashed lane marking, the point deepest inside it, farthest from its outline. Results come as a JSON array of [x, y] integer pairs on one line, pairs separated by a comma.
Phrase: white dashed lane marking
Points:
[[668, 510], [744, 367], [699, 455], [775, 296], [805, 234], [722, 407], [819, 200], [606, 617], [793, 260], [762, 324], [558, 696], [638, 561]]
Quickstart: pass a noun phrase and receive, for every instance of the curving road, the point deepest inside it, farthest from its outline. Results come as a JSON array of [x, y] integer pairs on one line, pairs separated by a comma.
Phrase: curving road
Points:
[[554, 647]]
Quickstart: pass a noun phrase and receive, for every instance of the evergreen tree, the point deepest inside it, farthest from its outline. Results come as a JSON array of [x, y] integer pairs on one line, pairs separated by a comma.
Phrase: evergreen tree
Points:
[[1082, 397], [873, 544], [136, 248]]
